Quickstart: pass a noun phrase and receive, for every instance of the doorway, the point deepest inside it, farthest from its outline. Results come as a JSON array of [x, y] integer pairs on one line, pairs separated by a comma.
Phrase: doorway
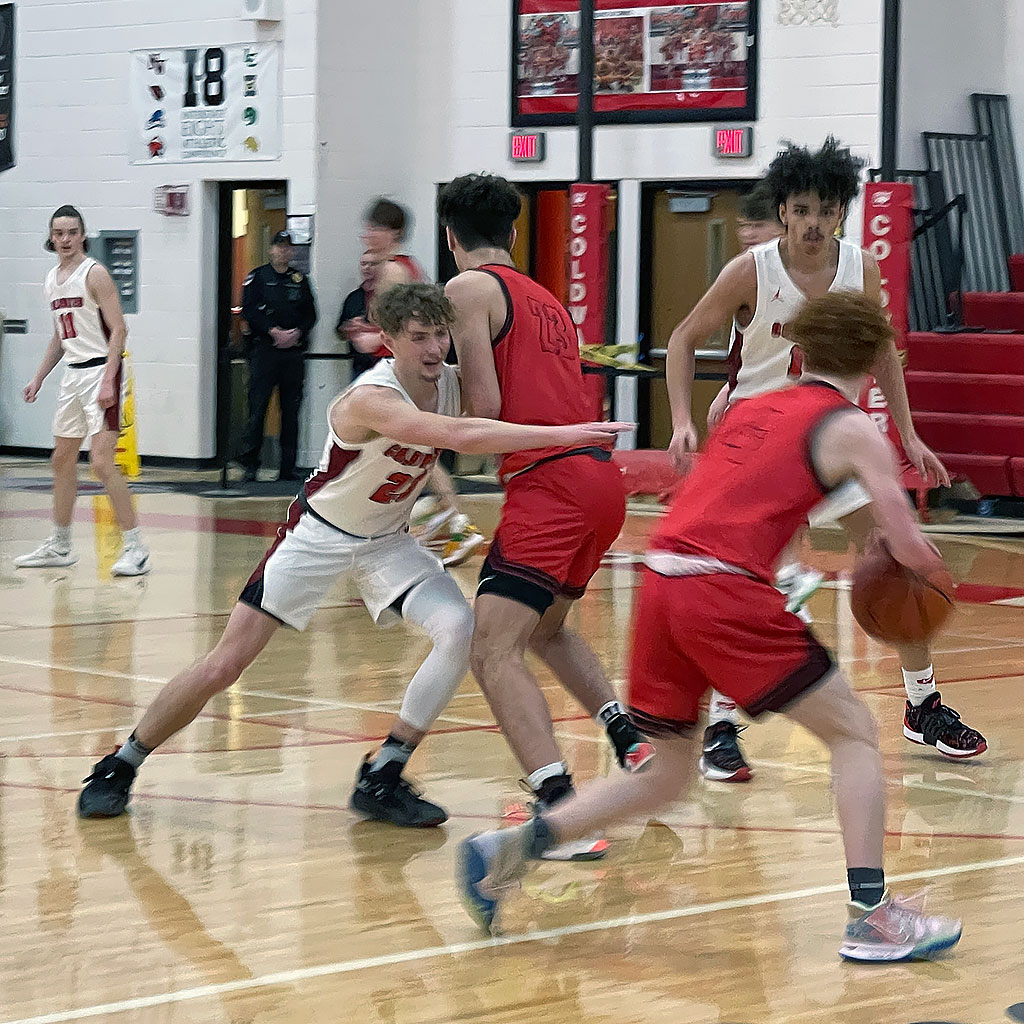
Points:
[[688, 236], [250, 213]]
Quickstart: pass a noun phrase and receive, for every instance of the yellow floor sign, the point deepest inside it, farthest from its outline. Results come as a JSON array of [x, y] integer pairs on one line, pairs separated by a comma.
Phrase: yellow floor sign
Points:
[[126, 455]]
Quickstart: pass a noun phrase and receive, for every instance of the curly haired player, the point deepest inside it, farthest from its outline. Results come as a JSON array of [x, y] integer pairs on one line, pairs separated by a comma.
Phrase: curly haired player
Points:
[[761, 292]]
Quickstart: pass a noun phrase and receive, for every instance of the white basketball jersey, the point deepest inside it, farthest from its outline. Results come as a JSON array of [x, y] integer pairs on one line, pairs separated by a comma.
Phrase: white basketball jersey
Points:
[[77, 317], [369, 489], [762, 358]]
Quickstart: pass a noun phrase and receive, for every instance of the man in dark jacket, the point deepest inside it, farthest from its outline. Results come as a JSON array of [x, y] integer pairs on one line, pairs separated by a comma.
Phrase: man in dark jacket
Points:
[[279, 307]]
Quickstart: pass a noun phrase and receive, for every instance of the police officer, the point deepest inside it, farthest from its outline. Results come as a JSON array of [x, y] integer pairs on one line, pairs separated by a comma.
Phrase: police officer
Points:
[[279, 307]]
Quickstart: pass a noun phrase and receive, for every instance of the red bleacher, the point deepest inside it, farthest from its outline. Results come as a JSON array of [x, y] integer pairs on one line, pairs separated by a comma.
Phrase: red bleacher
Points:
[[967, 390]]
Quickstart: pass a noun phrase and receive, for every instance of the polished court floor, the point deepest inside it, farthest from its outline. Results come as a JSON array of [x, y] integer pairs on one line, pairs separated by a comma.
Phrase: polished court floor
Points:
[[241, 888]]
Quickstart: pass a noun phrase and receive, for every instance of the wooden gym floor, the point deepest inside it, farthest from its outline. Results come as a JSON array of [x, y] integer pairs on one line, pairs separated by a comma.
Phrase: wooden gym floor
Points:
[[241, 889]]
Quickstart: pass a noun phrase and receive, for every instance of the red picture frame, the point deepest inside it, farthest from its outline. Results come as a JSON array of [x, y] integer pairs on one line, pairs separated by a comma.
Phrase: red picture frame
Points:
[[653, 61]]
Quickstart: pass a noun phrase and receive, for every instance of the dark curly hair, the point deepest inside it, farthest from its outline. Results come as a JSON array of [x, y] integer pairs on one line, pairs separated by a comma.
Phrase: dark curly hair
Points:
[[833, 172], [481, 210], [426, 303]]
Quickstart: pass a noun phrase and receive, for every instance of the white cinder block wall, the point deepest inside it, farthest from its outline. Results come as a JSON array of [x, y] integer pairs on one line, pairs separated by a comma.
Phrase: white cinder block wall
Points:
[[72, 147], [392, 98]]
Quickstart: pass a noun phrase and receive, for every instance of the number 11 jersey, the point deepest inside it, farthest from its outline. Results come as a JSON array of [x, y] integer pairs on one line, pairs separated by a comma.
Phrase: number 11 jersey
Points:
[[77, 317], [368, 490]]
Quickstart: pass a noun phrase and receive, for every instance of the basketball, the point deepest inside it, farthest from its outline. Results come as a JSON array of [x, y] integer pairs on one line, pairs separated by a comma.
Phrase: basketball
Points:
[[895, 604]]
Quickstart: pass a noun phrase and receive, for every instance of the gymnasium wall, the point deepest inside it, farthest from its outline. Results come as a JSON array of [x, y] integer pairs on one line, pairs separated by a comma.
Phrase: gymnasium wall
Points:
[[948, 50], [72, 146]]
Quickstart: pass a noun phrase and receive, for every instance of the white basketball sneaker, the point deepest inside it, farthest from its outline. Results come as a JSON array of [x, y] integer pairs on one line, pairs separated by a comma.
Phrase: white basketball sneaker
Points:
[[133, 561], [49, 554]]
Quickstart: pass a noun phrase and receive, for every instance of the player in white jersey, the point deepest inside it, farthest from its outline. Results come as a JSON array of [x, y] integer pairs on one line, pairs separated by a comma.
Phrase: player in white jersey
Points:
[[762, 290], [352, 520], [88, 338]]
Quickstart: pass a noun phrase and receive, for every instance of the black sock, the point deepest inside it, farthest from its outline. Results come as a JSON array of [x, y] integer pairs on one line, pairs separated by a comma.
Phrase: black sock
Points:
[[553, 790], [392, 757], [539, 837], [867, 885]]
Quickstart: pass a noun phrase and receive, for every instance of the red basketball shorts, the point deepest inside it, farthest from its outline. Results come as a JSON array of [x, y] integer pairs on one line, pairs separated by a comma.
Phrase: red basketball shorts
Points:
[[558, 521], [729, 632]]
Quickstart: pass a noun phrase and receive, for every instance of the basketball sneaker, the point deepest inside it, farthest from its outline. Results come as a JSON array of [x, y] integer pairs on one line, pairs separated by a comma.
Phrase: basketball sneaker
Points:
[[488, 868], [48, 554], [935, 724], [133, 561], [553, 792], [721, 759], [897, 929], [393, 799], [428, 518], [632, 749], [107, 790], [798, 584], [463, 539]]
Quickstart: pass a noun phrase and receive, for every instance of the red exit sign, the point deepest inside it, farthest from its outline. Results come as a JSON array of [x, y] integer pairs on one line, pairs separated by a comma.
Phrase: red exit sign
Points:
[[732, 143], [527, 147]]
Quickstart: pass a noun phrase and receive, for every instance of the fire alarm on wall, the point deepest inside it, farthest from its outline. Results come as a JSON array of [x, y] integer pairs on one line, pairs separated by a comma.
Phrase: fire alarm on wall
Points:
[[262, 10]]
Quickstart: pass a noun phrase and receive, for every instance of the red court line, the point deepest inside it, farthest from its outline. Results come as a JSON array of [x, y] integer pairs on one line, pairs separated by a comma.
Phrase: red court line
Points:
[[687, 826], [940, 683], [167, 520]]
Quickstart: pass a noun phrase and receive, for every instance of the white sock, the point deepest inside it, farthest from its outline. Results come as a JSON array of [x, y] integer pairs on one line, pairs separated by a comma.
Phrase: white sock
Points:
[[786, 572], [62, 535], [722, 709], [608, 712], [549, 771], [132, 538], [920, 685]]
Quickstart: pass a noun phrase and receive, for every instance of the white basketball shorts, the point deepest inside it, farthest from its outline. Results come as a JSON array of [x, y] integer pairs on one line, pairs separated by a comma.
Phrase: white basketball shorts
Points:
[[309, 557], [78, 412]]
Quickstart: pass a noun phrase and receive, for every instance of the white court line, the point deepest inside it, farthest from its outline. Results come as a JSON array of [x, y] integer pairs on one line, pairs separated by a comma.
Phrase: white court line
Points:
[[436, 952], [135, 677], [932, 787], [75, 732]]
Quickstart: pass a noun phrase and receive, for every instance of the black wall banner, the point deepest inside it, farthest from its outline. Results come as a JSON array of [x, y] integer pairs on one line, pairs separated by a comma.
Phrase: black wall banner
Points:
[[6, 86]]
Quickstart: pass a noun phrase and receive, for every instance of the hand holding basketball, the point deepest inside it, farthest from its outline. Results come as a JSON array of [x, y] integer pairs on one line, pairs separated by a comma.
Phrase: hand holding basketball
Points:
[[896, 604]]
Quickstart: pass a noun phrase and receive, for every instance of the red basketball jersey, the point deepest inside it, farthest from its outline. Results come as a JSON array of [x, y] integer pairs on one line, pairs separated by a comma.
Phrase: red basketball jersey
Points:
[[537, 357], [753, 486]]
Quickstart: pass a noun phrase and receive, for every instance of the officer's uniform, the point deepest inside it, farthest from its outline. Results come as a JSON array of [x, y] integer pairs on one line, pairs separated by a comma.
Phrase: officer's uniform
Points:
[[270, 299]]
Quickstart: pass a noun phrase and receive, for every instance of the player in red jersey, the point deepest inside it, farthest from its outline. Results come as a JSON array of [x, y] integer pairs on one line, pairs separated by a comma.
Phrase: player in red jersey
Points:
[[519, 353], [708, 615]]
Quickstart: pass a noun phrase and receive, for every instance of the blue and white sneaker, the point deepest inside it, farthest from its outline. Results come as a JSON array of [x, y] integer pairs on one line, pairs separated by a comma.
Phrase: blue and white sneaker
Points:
[[489, 867]]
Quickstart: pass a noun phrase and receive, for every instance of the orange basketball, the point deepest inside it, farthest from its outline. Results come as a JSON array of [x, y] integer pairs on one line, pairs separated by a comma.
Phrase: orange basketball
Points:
[[894, 604]]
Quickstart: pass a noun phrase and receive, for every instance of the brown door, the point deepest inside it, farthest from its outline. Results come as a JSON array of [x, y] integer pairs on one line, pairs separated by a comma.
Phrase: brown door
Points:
[[689, 250]]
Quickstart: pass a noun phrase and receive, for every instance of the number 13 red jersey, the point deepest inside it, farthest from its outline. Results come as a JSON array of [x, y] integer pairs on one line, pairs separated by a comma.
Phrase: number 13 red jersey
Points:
[[537, 357]]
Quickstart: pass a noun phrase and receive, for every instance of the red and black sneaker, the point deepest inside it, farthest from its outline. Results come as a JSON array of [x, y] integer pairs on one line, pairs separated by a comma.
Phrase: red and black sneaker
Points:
[[935, 724], [722, 760]]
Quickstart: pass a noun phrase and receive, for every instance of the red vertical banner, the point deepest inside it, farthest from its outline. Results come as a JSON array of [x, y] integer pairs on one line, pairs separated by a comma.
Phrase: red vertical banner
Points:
[[888, 233], [588, 272]]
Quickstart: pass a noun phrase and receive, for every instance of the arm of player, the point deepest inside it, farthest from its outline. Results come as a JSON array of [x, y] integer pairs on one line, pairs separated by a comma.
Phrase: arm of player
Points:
[[477, 299], [735, 287], [104, 291], [51, 357], [718, 407], [888, 372], [849, 445], [370, 411]]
